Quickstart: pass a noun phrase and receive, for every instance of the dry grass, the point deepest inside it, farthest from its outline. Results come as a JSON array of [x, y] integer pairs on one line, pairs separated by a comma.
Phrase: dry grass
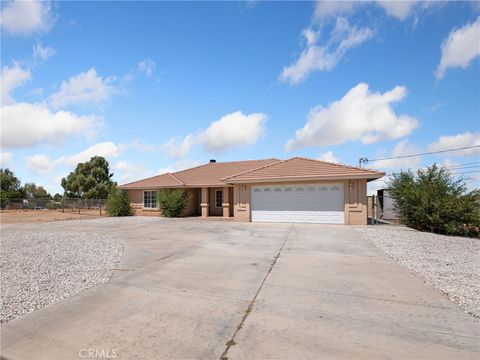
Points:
[[35, 216]]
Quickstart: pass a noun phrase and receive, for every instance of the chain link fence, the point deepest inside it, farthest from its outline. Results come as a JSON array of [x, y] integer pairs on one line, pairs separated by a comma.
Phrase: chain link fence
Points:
[[64, 205]]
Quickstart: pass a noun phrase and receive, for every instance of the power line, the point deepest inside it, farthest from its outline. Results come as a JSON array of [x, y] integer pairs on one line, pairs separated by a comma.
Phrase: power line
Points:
[[425, 153]]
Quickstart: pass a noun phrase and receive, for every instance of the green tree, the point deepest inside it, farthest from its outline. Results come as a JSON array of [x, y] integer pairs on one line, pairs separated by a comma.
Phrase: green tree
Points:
[[33, 191], [90, 180], [432, 200], [172, 201], [118, 203], [9, 187], [57, 197]]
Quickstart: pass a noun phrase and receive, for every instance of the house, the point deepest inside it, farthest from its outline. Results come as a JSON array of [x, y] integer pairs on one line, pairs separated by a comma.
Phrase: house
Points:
[[292, 190]]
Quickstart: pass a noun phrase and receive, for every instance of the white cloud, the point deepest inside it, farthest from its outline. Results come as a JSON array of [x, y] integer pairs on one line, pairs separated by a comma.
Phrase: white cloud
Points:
[[176, 147], [12, 77], [231, 131], [359, 115], [332, 8], [324, 57], [402, 148], [147, 66], [42, 164], [106, 149], [25, 125], [26, 17], [398, 9], [465, 139], [460, 48], [328, 156], [42, 53], [5, 159], [83, 88]]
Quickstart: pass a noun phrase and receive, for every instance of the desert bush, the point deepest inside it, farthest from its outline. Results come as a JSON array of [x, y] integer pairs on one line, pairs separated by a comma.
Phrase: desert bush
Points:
[[433, 200], [118, 204], [172, 201]]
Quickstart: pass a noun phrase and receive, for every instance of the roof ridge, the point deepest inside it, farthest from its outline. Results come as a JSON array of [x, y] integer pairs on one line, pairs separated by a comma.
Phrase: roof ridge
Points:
[[221, 162], [177, 179], [337, 164], [255, 169]]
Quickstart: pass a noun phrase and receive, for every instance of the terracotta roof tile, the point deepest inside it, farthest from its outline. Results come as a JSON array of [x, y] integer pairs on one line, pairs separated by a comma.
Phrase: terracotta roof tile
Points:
[[209, 174], [221, 173], [299, 168]]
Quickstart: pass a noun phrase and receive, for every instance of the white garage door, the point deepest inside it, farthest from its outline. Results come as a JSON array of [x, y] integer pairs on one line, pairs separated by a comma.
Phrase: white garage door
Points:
[[312, 203]]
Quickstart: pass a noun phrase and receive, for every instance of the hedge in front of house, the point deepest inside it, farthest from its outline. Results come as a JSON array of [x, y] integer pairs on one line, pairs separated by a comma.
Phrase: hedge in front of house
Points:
[[172, 201], [118, 203], [433, 200]]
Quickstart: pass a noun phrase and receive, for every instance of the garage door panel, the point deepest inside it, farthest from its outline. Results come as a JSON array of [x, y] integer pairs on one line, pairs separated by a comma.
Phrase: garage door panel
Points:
[[311, 203]]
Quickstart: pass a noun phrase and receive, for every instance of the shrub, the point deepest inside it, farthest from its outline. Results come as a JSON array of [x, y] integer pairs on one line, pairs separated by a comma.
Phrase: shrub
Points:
[[172, 202], [432, 200], [118, 203]]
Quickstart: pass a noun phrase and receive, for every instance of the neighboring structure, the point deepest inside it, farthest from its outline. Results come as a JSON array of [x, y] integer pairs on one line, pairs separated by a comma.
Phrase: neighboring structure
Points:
[[387, 206], [292, 190]]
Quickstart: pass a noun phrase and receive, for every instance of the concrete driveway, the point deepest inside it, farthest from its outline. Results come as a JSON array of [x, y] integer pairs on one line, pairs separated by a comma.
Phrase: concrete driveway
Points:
[[206, 290]]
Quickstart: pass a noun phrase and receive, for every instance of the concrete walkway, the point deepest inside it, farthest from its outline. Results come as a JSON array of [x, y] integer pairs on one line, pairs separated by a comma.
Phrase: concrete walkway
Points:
[[207, 290]]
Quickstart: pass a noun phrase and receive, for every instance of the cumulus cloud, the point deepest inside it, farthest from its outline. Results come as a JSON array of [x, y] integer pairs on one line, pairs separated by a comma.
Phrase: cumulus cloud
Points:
[[328, 156], [26, 125], [12, 77], [83, 88], [42, 53], [460, 48], [359, 115], [231, 131], [40, 164], [5, 159], [26, 17], [465, 139], [147, 66], [324, 57], [108, 150], [401, 149]]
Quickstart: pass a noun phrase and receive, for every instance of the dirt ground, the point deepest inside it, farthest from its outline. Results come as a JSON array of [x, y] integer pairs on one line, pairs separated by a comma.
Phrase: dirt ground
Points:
[[33, 216]]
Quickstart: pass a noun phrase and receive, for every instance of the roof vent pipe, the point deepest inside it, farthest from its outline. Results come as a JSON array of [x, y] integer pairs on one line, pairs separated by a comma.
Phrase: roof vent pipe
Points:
[[213, 161]]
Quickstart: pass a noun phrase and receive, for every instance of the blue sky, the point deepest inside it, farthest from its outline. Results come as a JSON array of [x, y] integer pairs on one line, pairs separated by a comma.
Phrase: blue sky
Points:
[[160, 86]]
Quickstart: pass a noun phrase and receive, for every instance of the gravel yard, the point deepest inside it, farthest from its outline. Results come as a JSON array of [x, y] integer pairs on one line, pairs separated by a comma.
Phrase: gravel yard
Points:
[[40, 268], [451, 264]]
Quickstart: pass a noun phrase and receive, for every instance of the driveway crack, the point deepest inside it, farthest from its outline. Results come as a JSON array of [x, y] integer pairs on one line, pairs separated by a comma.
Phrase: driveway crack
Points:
[[232, 342]]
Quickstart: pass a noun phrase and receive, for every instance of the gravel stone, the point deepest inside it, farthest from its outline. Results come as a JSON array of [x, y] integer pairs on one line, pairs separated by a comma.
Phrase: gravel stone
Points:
[[43, 267], [451, 264]]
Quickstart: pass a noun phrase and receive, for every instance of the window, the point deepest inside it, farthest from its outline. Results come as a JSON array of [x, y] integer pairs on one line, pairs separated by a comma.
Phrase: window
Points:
[[150, 199], [218, 198]]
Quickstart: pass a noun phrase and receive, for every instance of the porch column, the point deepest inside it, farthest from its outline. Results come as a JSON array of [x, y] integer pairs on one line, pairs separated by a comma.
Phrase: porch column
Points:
[[204, 204], [226, 202]]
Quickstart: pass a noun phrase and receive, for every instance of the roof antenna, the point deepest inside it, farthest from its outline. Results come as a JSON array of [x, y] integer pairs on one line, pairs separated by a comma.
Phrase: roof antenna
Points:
[[362, 161]]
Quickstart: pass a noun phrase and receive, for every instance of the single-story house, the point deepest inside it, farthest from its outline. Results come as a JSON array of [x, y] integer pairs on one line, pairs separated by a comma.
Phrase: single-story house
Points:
[[292, 190]]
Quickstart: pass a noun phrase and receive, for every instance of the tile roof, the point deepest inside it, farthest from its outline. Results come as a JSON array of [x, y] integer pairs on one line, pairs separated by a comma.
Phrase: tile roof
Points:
[[209, 174], [221, 173], [299, 168]]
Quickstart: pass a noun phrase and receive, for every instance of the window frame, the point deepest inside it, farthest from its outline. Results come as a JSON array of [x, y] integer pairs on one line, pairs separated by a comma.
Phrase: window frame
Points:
[[216, 199], [152, 199]]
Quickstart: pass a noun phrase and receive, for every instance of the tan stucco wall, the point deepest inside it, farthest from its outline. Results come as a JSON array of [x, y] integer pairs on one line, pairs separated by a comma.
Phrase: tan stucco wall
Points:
[[241, 202], [136, 199], [355, 200]]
